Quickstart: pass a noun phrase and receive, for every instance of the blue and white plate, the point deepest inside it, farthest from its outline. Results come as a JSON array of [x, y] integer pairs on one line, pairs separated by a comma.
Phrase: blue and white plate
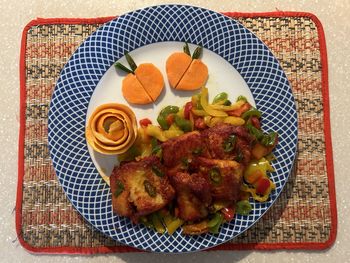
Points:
[[238, 62]]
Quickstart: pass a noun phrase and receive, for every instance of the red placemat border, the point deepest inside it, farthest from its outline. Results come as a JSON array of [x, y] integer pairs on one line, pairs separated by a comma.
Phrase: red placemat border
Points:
[[226, 246]]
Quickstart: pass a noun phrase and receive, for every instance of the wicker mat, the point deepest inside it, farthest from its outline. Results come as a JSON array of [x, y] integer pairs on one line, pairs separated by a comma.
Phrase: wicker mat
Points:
[[304, 216]]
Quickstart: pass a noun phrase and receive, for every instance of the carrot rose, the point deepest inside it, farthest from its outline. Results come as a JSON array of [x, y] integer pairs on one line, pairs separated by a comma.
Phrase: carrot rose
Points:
[[112, 129]]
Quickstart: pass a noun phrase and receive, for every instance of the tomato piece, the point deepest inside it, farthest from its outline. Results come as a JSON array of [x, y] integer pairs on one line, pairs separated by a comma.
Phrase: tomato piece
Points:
[[262, 185], [228, 213], [170, 119], [145, 122], [238, 112], [187, 110]]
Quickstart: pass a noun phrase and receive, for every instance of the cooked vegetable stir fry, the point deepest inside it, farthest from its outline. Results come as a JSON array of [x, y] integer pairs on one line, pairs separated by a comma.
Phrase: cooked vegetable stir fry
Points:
[[213, 159]]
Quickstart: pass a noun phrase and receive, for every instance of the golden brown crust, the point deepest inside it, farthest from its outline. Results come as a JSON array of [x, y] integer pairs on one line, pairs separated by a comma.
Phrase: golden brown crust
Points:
[[181, 148], [226, 187], [215, 137], [121, 205], [135, 200], [190, 208], [196, 229], [193, 195], [189, 161]]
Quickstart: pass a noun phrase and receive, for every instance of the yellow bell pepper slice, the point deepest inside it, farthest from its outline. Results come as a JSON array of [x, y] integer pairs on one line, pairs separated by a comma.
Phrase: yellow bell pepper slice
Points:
[[157, 222], [201, 113], [207, 120], [234, 106], [172, 224], [236, 121], [257, 197], [215, 121], [207, 107], [156, 132], [172, 133]]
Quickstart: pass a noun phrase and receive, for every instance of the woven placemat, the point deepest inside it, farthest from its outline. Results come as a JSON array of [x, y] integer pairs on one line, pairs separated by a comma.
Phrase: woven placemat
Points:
[[304, 216]]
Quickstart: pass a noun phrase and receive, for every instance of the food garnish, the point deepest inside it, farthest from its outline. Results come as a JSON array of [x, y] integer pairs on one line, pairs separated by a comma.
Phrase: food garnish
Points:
[[197, 167], [185, 72], [111, 129], [143, 83]]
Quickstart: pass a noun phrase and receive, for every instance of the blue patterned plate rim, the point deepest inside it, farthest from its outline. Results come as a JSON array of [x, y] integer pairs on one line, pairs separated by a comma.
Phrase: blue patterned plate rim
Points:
[[78, 176]]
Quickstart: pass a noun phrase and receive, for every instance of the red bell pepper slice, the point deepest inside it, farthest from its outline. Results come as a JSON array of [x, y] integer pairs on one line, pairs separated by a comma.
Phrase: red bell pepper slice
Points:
[[170, 119], [187, 110], [262, 185], [228, 213], [238, 112], [145, 122], [255, 122]]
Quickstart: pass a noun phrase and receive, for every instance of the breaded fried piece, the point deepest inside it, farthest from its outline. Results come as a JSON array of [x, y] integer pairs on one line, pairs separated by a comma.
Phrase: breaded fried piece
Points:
[[182, 148], [225, 177], [140, 188], [190, 208], [243, 151], [193, 195], [120, 203], [215, 137]]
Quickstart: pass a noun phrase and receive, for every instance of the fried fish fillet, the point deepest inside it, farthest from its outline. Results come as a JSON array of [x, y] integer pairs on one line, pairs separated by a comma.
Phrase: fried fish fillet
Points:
[[192, 195], [196, 165], [214, 139], [225, 177], [140, 188], [182, 148]]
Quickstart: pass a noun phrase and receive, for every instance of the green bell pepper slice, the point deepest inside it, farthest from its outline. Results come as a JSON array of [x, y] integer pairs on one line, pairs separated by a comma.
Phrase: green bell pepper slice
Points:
[[161, 119], [220, 97], [215, 223], [183, 124], [250, 113], [243, 207]]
